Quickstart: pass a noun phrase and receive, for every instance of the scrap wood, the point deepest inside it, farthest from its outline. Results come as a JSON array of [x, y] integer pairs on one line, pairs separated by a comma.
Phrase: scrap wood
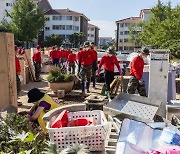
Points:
[[114, 87], [31, 68]]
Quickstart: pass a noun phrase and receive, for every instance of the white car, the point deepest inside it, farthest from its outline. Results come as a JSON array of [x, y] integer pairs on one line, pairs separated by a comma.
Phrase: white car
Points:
[[101, 52], [122, 55]]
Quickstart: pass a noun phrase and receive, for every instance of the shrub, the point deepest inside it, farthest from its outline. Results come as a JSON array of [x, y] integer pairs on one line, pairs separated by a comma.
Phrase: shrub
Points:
[[55, 76]]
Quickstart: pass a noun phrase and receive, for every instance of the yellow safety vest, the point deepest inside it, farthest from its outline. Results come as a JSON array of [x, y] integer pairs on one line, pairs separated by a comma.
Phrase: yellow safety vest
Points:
[[53, 104]]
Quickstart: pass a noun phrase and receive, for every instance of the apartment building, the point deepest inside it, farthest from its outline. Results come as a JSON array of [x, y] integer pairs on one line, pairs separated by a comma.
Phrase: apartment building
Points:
[[122, 32], [44, 5], [5, 5], [65, 22], [93, 33]]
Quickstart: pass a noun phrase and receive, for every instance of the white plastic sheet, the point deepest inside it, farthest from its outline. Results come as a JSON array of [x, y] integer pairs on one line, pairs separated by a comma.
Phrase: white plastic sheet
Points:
[[138, 138]]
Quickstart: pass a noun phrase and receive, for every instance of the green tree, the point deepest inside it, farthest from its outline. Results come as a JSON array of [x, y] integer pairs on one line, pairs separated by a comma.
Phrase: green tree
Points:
[[26, 21], [76, 39], [5, 26], [134, 32], [163, 28], [52, 40]]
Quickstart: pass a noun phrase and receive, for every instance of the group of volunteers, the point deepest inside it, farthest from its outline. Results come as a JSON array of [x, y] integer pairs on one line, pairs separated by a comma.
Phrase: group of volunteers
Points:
[[87, 62], [64, 56]]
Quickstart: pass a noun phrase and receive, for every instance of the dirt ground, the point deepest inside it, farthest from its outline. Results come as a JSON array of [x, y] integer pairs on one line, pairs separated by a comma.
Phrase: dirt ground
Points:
[[73, 97]]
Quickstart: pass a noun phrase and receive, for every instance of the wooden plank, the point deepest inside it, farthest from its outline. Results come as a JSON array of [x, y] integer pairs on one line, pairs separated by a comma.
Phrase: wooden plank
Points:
[[8, 90], [31, 68], [23, 73]]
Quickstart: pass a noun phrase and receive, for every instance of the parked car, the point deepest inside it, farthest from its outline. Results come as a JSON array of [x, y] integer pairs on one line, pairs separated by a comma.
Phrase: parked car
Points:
[[101, 52], [122, 55]]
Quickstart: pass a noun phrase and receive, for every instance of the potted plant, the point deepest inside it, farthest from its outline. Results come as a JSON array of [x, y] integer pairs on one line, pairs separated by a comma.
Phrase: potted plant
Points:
[[59, 81]]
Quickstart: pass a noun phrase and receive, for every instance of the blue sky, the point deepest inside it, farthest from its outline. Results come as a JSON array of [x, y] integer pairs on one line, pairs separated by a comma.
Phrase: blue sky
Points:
[[104, 13]]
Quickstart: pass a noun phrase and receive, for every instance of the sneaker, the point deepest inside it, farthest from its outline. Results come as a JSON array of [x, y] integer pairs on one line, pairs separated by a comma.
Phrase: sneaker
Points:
[[94, 87], [19, 103], [88, 91]]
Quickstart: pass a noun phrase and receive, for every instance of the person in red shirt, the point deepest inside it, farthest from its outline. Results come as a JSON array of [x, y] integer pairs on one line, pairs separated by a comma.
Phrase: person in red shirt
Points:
[[85, 66], [136, 71], [62, 54], [71, 60], [18, 71], [37, 62], [68, 51], [94, 65], [109, 60], [54, 55]]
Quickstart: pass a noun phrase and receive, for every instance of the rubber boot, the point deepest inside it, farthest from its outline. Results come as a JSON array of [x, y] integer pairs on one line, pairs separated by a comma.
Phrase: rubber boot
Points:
[[94, 83], [87, 87], [103, 91], [109, 96], [82, 87]]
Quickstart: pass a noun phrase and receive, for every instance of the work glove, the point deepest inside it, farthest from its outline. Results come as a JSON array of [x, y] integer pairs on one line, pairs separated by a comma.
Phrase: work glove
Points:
[[120, 72], [98, 71], [141, 82]]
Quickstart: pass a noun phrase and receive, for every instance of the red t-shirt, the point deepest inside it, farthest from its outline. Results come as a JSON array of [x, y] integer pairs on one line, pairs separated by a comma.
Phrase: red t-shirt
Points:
[[18, 67], [62, 54], [86, 57], [71, 57], [67, 54], [54, 54], [137, 66], [78, 54], [109, 62], [37, 56], [94, 55]]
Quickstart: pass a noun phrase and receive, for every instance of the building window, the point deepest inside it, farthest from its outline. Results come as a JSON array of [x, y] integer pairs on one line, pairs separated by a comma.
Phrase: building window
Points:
[[76, 18], [121, 40], [92, 29], [47, 18], [92, 35], [125, 48], [121, 25], [88, 35], [55, 17], [8, 4], [68, 27], [47, 28], [131, 48], [120, 48], [127, 24], [76, 28], [121, 33], [62, 27], [126, 33], [125, 40], [68, 17], [56, 27]]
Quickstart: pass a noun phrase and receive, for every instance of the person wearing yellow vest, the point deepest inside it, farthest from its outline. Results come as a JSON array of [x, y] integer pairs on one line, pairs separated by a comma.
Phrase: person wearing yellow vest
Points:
[[42, 104]]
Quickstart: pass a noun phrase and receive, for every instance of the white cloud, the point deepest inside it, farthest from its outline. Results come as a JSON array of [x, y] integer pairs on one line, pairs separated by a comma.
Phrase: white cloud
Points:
[[107, 28]]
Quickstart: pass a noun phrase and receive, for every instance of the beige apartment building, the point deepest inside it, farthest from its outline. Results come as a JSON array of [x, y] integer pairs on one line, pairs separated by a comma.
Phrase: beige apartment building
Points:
[[122, 31]]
